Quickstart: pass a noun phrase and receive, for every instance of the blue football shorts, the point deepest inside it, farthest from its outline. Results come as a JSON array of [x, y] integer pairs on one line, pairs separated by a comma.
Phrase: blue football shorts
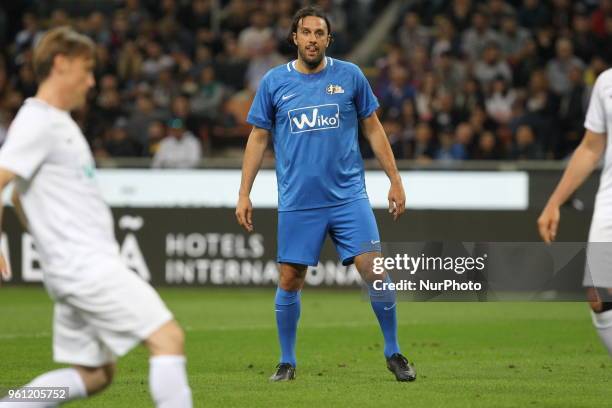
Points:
[[351, 226]]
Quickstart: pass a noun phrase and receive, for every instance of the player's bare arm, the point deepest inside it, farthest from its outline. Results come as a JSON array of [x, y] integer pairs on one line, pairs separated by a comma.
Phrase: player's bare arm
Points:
[[5, 178], [375, 133], [19, 209], [253, 156], [581, 165]]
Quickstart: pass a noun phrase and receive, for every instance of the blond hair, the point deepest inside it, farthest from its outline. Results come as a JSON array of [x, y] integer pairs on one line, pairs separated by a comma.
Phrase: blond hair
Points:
[[60, 41]]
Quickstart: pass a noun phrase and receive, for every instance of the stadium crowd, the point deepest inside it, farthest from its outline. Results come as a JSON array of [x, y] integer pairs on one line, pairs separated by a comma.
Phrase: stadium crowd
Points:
[[457, 80]]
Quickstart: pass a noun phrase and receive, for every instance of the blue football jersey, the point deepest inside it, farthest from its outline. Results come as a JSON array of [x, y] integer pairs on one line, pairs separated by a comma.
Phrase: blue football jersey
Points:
[[314, 122]]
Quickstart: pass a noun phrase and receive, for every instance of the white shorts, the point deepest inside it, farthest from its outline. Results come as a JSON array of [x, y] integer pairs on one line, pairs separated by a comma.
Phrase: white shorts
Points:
[[111, 312], [598, 271]]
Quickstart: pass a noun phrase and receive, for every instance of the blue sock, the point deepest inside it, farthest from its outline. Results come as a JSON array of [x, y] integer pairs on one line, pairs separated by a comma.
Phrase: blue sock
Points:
[[384, 305], [287, 307]]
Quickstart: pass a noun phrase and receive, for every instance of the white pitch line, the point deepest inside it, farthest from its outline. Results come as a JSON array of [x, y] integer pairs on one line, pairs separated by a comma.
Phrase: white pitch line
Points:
[[13, 336]]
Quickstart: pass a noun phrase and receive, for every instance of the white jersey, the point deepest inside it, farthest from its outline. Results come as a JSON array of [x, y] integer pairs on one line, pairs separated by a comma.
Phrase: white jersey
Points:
[[597, 120], [72, 226]]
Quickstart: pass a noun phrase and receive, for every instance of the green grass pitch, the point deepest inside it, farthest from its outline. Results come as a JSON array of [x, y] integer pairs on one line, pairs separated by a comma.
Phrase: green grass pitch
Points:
[[466, 354]]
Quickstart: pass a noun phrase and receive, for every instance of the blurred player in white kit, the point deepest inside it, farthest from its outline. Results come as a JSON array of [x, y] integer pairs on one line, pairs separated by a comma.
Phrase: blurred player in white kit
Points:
[[102, 309], [597, 143]]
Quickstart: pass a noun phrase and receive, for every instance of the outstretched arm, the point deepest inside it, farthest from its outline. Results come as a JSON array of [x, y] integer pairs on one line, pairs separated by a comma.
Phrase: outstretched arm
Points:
[[253, 156], [375, 134], [580, 166], [19, 209], [5, 178]]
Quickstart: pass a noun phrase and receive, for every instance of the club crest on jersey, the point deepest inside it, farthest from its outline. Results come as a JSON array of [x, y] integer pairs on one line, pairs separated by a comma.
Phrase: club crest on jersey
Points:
[[312, 118], [334, 89]]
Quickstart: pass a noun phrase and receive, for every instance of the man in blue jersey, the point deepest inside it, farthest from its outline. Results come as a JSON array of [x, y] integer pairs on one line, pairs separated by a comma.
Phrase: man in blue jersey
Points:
[[312, 107]]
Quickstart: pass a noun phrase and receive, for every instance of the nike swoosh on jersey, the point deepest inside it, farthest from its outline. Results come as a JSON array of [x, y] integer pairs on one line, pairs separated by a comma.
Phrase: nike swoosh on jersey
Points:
[[390, 307], [285, 97]]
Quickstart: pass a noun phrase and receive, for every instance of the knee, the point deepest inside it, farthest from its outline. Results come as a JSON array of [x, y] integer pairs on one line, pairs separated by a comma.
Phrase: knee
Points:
[[599, 299], [292, 277], [96, 378], [365, 266], [168, 339]]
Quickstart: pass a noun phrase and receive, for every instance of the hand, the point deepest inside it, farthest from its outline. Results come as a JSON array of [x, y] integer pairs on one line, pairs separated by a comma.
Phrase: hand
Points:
[[4, 272], [244, 213], [548, 223], [397, 200]]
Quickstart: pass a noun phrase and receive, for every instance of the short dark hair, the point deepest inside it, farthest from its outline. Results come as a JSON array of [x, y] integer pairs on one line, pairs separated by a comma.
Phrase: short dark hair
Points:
[[307, 11]]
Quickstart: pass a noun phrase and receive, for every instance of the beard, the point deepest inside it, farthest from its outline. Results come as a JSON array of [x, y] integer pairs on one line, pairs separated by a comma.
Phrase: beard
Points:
[[311, 62]]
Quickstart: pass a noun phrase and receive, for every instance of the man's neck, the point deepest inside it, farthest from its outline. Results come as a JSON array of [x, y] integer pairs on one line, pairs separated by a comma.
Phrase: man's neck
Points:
[[304, 68], [53, 96]]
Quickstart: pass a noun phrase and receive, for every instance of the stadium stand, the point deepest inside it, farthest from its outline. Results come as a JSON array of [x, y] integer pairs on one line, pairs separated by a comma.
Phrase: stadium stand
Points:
[[457, 80]]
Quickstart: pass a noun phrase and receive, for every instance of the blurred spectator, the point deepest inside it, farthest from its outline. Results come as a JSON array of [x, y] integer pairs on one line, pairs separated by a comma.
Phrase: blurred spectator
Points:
[[206, 101], [422, 147], [29, 35], [528, 61], [583, 39], [130, 63], [487, 148], [119, 144], [425, 96], [235, 16], [498, 11], [513, 38], [181, 109], [179, 149], [461, 12], [97, 29], [165, 89], [541, 110], [155, 134], [232, 128], [469, 98], [253, 39], [419, 64], [534, 14], [156, 61], [393, 129], [499, 102], [446, 38], [480, 122], [525, 146], [394, 57], [572, 110], [561, 15], [545, 41], [604, 40], [26, 82], [558, 69], [197, 15], [396, 92], [445, 151], [140, 118], [464, 137], [599, 15], [412, 33], [446, 116], [478, 36], [450, 72], [266, 59], [491, 66]]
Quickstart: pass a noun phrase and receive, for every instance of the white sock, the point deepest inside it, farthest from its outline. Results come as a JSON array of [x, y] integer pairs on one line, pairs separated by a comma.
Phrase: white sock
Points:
[[603, 324], [64, 377], [168, 382]]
